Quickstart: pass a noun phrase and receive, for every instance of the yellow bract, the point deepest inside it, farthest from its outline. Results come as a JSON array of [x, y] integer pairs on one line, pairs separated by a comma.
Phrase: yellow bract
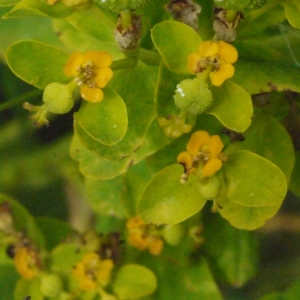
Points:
[[220, 55], [91, 71], [141, 239], [26, 263], [204, 150], [92, 271]]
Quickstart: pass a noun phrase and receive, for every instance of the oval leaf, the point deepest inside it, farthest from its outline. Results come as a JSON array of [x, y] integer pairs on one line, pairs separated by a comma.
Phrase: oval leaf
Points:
[[166, 201], [36, 63], [175, 41], [253, 181], [106, 121], [232, 106], [134, 281], [243, 217]]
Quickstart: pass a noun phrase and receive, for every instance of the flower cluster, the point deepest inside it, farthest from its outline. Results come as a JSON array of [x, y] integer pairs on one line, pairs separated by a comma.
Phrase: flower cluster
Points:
[[218, 56], [204, 155], [26, 262], [141, 237], [92, 73], [92, 271]]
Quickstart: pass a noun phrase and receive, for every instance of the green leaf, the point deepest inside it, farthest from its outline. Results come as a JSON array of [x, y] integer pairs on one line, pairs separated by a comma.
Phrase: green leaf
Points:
[[166, 201], [294, 183], [64, 257], [8, 278], [94, 166], [253, 181], [31, 8], [238, 246], [8, 2], [292, 12], [134, 281], [245, 217], [269, 139], [23, 221], [175, 41], [105, 196], [232, 106], [26, 288], [105, 121], [140, 109], [36, 63], [53, 230]]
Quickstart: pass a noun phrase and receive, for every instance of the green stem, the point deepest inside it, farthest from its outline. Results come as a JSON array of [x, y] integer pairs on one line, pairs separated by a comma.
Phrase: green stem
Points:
[[124, 63], [20, 99], [149, 57], [126, 18], [203, 76]]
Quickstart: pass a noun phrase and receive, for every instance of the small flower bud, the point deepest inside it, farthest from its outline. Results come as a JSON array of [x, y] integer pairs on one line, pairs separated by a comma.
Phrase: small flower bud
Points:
[[192, 96], [173, 234], [58, 98]]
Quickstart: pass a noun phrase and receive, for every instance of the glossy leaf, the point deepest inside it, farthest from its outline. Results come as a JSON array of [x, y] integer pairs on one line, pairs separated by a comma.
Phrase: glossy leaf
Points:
[[269, 139], [36, 63], [175, 41], [253, 181], [232, 106], [23, 221], [31, 8], [238, 246], [105, 121], [134, 281], [166, 201], [94, 166]]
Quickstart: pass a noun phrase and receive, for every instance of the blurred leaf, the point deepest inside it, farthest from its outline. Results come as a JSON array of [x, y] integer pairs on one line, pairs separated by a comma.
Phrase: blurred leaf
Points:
[[292, 11], [94, 166], [36, 63], [32, 8], [23, 221], [232, 106], [26, 288], [175, 41], [166, 201], [54, 231], [105, 196], [105, 121], [134, 281], [238, 246], [8, 279]]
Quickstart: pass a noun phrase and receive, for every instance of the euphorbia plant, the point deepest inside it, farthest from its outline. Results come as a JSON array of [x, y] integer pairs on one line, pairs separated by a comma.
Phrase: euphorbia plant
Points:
[[179, 129]]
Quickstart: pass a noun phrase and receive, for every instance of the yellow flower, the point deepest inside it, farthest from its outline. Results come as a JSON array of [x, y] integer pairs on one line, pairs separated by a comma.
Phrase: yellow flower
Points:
[[92, 271], [91, 71], [141, 238], [220, 55], [202, 150], [26, 262]]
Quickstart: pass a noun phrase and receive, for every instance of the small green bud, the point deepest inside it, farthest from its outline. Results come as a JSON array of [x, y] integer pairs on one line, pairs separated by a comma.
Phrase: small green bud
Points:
[[193, 96], [51, 285], [173, 234], [58, 98], [209, 187]]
